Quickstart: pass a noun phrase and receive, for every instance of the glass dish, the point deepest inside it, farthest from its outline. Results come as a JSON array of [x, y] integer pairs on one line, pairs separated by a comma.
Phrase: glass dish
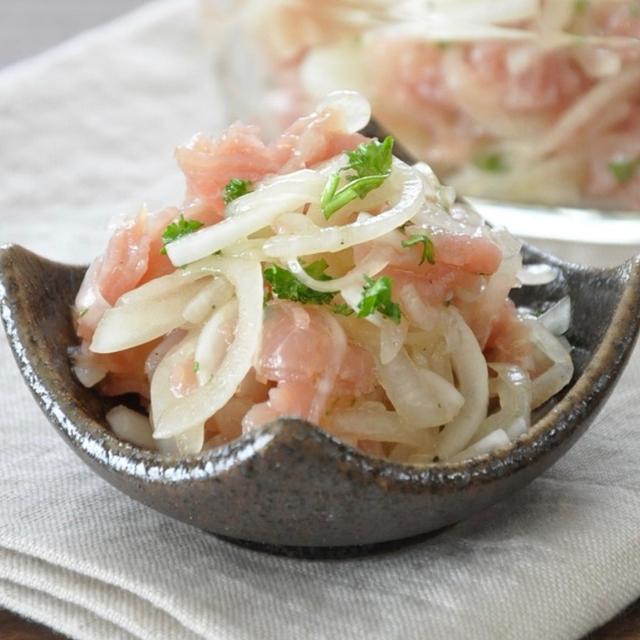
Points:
[[565, 168]]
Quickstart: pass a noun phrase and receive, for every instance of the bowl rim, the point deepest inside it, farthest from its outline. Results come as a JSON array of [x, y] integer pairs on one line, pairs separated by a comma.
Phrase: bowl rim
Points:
[[98, 443]]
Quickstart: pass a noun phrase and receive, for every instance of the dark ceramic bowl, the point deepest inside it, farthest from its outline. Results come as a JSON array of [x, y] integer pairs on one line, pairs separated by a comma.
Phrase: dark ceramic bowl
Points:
[[290, 483]]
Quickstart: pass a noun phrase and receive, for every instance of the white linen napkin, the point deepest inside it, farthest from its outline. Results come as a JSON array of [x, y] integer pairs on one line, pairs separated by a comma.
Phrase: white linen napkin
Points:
[[87, 131]]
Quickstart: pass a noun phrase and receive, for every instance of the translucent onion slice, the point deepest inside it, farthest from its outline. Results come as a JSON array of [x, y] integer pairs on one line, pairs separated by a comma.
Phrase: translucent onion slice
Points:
[[352, 106], [161, 394], [89, 375], [155, 357], [129, 325], [557, 319], [192, 439], [246, 277], [374, 262], [392, 336], [495, 440], [212, 296], [532, 275], [249, 214], [337, 238], [513, 388], [131, 426], [470, 368], [480, 11], [372, 421], [559, 374], [214, 339], [421, 397]]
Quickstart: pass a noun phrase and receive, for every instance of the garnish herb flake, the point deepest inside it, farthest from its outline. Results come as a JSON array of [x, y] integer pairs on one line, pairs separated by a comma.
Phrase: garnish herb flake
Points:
[[376, 296], [581, 6], [235, 188], [178, 229], [196, 366], [342, 309], [624, 169], [492, 162], [285, 286], [370, 164], [427, 249]]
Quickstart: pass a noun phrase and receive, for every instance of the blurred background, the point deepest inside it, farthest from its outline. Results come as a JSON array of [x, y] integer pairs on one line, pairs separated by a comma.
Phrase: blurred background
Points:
[[28, 27]]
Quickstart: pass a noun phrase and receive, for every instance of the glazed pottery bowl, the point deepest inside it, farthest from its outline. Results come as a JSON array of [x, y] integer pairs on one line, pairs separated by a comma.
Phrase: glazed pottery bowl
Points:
[[289, 483]]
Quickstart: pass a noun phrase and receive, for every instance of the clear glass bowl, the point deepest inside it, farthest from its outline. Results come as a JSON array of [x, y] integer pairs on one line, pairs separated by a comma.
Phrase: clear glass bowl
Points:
[[276, 59]]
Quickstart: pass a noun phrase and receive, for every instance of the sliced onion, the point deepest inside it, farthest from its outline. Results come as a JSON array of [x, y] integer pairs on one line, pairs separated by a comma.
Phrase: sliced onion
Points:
[[375, 261], [470, 368], [513, 388], [246, 277], [372, 421], [557, 318], [495, 440], [392, 337], [214, 339], [131, 426], [480, 11], [161, 395], [352, 106], [213, 295], [421, 397], [249, 214], [425, 317], [129, 325], [332, 239], [532, 275], [89, 375], [559, 374], [155, 357]]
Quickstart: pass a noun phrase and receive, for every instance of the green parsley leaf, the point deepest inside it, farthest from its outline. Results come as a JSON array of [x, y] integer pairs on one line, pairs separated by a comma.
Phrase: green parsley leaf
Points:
[[196, 366], [376, 296], [427, 250], [624, 169], [492, 162], [82, 312], [371, 158], [370, 164], [581, 6], [317, 270], [177, 230], [286, 286], [235, 188], [342, 309]]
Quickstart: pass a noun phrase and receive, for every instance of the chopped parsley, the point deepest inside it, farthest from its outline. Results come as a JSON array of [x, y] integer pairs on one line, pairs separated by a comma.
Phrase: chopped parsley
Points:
[[235, 188], [196, 366], [177, 230], [82, 312], [624, 169], [342, 309], [370, 164], [581, 6], [285, 286], [317, 270], [493, 162], [376, 296], [427, 249]]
